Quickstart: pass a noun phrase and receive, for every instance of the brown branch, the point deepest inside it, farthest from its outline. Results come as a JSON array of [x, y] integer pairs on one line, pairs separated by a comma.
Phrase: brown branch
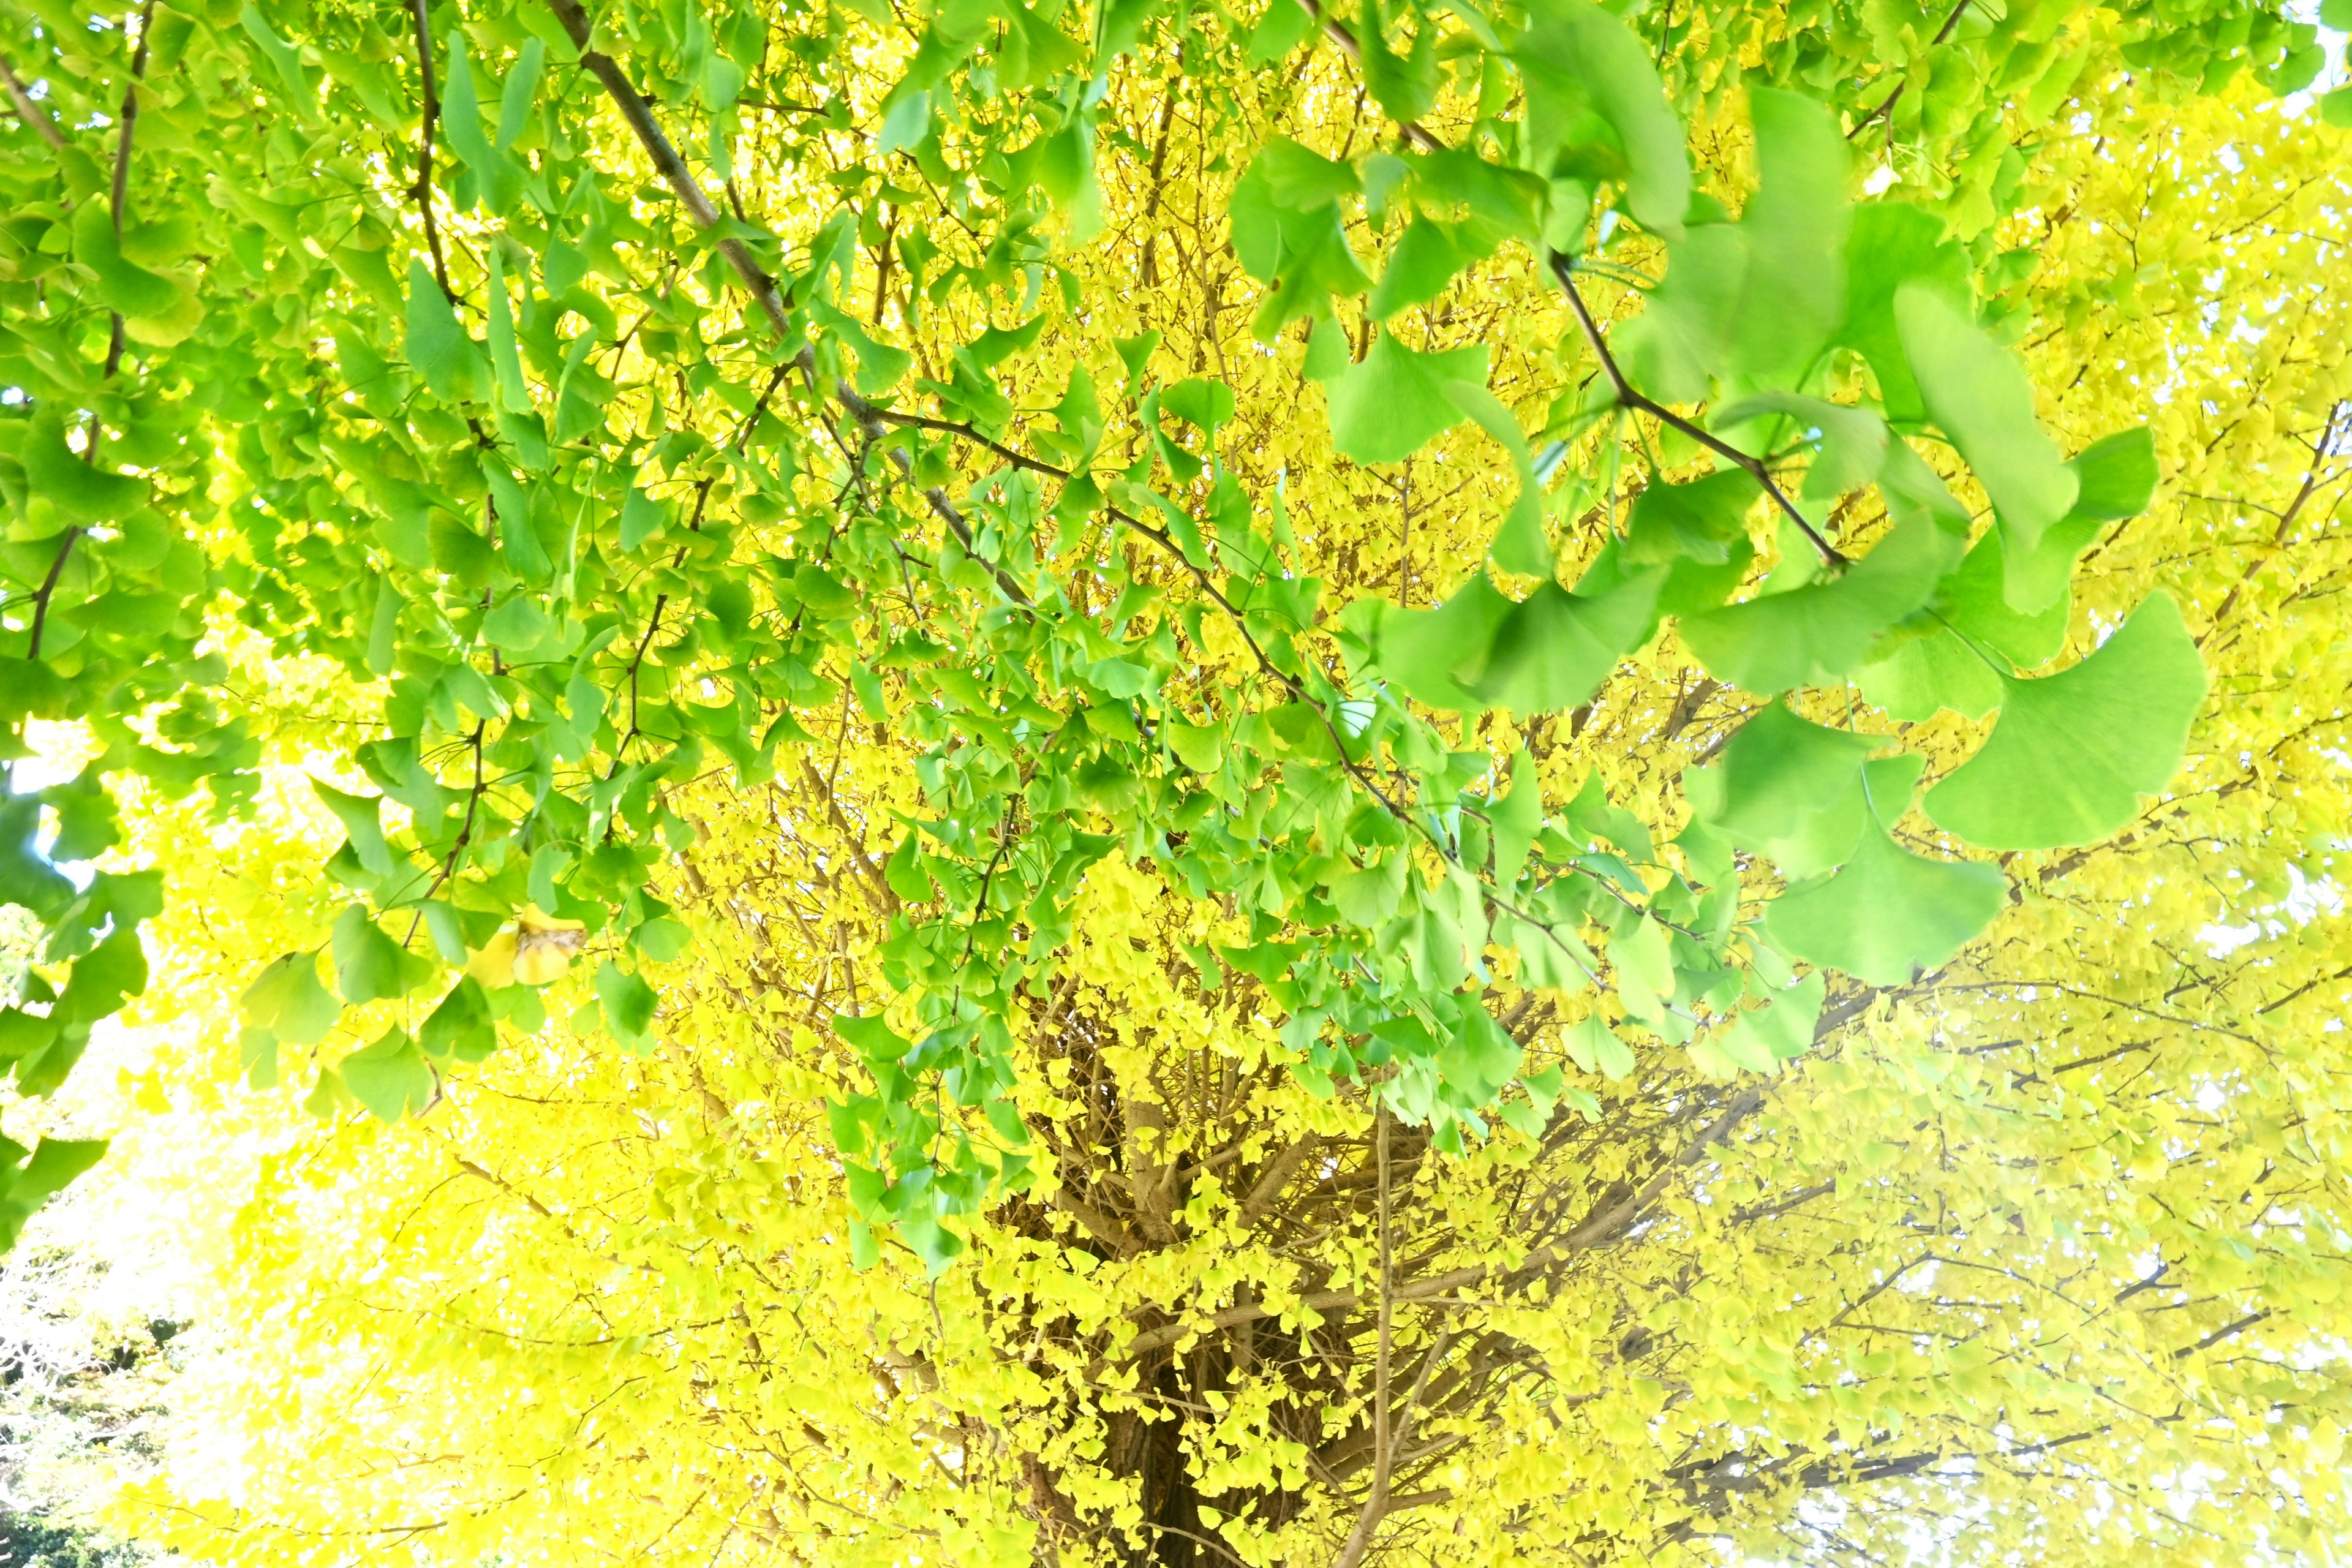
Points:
[[2228, 1331], [1886, 104], [119, 192], [118, 196], [431, 113], [1368, 1519], [1563, 268], [1596, 1230], [1337, 31], [49, 587], [30, 110]]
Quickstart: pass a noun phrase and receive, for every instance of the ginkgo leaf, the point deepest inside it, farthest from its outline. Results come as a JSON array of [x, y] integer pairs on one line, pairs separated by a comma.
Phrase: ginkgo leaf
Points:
[[390, 1076], [1700, 520], [1517, 818], [628, 1006], [439, 350], [1793, 790], [1796, 225], [1419, 269], [2073, 752], [1977, 393], [1421, 650], [1920, 676], [80, 491], [1593, 1046], [1887, 912], [1645, 972], [1761, 1039], [1579, 61], [368, 965], [1852, 441], [1819, 634], [1369, 897], [1390, 404], [289, 1000], [1554, 648]]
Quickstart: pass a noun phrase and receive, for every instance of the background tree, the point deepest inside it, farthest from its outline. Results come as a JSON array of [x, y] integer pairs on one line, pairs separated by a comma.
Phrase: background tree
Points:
[[1264, 669]]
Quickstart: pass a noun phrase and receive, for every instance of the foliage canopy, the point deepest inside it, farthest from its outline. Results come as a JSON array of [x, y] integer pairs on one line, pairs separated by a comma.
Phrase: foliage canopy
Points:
[[1144, 784]]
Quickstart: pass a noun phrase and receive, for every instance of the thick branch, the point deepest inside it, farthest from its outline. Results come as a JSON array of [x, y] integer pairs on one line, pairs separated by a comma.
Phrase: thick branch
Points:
[[1597, 1229]]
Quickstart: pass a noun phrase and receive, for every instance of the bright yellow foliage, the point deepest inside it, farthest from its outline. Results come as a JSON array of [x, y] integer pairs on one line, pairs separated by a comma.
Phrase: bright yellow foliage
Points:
[[2041, 1258]]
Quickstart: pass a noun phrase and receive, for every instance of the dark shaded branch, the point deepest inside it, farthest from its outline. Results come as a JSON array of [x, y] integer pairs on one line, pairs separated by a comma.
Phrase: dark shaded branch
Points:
[[1563, 268], [29, 108], [431, 116]]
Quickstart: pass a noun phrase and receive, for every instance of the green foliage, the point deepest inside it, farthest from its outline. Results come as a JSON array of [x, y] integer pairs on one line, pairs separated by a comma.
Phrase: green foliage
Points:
[[604, 485]]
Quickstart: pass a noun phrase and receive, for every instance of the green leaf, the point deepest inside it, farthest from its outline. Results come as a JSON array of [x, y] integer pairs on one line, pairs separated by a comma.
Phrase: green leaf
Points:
[[1887, 912], [358, 814], [1977, 391], [1852, 441], [906, 873], [1976, 602], [506, 364], [289, 1000], [1419, 269], [1645, 971], [518, 627], [280, 54], [390, 1076], [1303, 180], [1367, 898], [55, 1162], [1796, 224], [629, 1004], [1894, 244], [2117, 474], [1701, 520], [368, 965], [1478, 1058], [1593, 1046], [1782, 1029], [81, 492], [125, 286], [1579, 61], [1554, 648], [2073, 752], [1404, 87], [1388, 406], [1517, 819], [1918, 676], [1282, 29], [1793, 790], [518, 540], [460, 1025], [439, 349], [1201, 402], [522, 86], [1819, 634], [1200, 747]]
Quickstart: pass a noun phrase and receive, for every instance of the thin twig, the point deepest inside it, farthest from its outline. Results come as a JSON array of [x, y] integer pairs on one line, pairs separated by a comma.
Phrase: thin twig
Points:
[[1563, 268], [119, 197], [1886, 104]]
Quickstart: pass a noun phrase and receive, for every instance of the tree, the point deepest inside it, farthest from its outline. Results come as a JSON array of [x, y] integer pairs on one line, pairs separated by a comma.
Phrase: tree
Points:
[[1207, 734]]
